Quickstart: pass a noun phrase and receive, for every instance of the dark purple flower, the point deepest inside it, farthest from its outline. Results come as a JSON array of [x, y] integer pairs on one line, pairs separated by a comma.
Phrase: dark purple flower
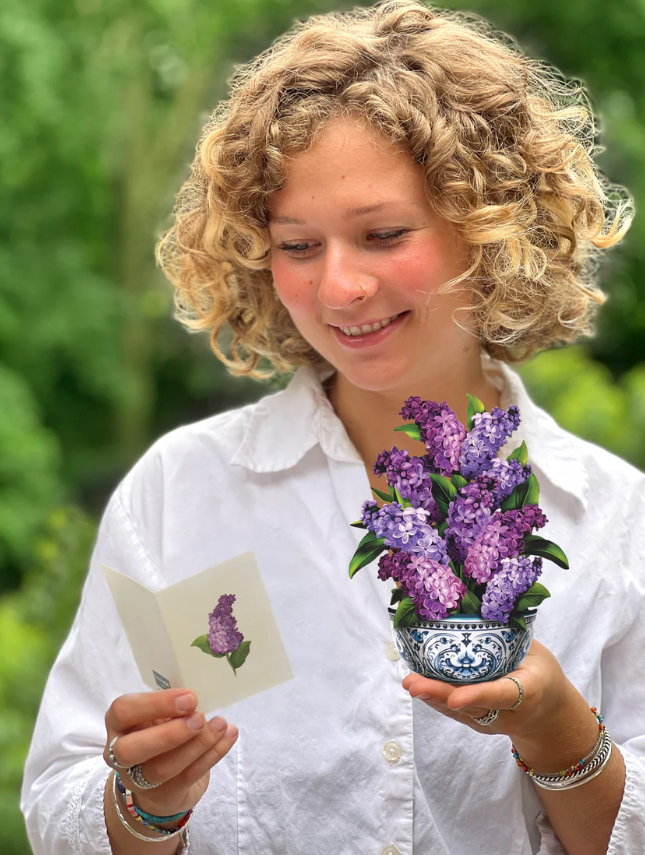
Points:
[[223, 635], [515, 576], [489, 433], [434, 588], [501, 537], [411, 477]]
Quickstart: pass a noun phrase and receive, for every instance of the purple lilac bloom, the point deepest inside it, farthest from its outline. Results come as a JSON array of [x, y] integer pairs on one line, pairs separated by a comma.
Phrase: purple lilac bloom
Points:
[[515, 576], [489, 432], [509, 474], [468, 513], [409, 527], [501, 537], [441, 431], [369, 514], [223, 635], [434, 588], [411, 477]]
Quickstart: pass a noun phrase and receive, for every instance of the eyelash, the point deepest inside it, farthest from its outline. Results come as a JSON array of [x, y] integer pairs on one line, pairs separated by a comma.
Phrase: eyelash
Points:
[[391, 238]]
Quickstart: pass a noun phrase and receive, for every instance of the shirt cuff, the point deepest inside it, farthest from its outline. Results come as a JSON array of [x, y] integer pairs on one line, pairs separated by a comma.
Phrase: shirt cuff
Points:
[[628, 833], [87, 801]]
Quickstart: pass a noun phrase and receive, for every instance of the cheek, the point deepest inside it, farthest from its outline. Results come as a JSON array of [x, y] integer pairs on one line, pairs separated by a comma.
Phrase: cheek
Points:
[[295, 289]]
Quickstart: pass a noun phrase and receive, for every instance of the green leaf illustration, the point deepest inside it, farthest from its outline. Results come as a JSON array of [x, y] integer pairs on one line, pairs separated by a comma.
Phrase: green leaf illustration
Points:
[[532, 598], [532, 496], [367, 550], [517, 621], [412, 430], [471, 604], [405, 613], [202, 643], [535, 545], [474, 406], [397, 594], [520, 453], [238, 657], [443, 491], [385, 497], [517, 499], [458, 480], [359, 524]]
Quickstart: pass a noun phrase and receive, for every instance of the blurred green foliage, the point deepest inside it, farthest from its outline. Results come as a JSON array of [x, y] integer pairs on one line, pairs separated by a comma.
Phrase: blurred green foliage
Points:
[[102, 103]]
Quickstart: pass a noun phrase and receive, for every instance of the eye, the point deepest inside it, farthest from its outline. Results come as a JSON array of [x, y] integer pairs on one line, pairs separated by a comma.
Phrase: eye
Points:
[[383, 239]]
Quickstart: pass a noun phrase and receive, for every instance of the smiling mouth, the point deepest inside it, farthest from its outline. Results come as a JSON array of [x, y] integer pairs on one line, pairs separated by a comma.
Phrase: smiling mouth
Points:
[[365, 329]]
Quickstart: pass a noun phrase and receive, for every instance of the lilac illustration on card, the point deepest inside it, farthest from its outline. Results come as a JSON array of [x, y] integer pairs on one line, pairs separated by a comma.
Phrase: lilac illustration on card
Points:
[[223, 638]]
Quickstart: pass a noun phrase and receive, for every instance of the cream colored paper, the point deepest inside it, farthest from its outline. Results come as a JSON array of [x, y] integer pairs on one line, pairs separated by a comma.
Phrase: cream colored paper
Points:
[[161, 626]]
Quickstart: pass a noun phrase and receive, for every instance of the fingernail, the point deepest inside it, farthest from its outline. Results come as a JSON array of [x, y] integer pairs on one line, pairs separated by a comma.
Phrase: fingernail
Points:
[[231, 731], [196, 722], [218, 723], [424, 697], [186, 702]]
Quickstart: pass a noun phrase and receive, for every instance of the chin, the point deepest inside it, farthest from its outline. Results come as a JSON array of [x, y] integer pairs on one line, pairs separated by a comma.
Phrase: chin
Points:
[[373, 377]]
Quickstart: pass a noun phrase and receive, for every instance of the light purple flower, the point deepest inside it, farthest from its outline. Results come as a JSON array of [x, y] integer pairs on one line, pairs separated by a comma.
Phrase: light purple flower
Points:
[[468, 513], [435, 589], [441, 431], [411, 477], [509, 474], [501, 537], [489, 432], [223, 635], [515, 576]]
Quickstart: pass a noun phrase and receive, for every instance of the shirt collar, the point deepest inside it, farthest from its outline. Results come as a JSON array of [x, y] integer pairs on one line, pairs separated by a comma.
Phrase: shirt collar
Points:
[[285, 425]]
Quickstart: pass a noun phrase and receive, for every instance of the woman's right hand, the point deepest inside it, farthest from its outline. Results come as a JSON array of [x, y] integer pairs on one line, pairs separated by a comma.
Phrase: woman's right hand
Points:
[[174, 744]]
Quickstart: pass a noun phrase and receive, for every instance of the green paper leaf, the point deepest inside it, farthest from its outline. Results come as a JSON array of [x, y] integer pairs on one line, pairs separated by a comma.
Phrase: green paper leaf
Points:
[[442, 528], [228, 659], [385, 497], [202, 643], [358, 524], [517, 499], [238, 657], [470, 605], [474, 406], [532, 598], [403, 502], [520, 453], [532, 496], [367, 550], [405, 613], [535, 545], [412, 430], [517, 621], [397, 595], [458, 480], [443, 491]]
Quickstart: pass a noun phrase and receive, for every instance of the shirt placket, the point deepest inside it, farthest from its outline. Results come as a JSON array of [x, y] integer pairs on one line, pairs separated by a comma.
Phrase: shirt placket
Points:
[[394, 813]]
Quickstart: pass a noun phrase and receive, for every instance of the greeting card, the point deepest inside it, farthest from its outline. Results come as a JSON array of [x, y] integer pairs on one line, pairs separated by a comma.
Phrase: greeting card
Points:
[[214, 632]]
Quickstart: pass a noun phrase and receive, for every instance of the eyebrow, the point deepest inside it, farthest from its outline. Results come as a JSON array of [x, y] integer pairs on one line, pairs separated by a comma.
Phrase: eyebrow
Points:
[[350, 214]]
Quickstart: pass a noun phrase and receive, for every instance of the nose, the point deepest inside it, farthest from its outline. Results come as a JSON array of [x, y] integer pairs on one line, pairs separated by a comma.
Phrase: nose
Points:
[[342, 280]]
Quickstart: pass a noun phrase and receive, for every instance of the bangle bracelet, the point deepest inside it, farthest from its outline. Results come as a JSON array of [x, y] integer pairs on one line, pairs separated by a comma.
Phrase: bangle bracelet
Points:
[[577, 767], [132, 809], [183, 832], [570, 783]]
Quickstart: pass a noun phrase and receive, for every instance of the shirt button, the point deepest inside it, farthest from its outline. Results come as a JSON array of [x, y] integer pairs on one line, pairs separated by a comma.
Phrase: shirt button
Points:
[[392, 752], [392, 652], [390, 850]]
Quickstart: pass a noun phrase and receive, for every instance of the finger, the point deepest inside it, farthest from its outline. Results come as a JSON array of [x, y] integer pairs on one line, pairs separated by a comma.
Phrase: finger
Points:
[[199, 767], [498, 694], [128, 711], [434, 690], [139, 746], [170, 764]]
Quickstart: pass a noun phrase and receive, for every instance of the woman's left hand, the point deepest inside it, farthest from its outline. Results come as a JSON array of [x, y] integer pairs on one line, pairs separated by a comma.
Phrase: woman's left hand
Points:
[[546, 694]]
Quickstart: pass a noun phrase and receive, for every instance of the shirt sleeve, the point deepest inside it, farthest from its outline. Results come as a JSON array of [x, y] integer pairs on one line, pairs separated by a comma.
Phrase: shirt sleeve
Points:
[[65, 773], [622, 703]]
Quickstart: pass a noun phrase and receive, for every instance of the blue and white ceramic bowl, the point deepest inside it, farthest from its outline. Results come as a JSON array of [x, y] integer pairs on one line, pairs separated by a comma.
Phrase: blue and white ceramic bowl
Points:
[[463, 648]]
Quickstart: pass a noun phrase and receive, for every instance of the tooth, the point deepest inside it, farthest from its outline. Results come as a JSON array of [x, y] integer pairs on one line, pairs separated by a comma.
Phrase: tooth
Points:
[[386, 322], [355, 330], [346, 330], [366, 328]]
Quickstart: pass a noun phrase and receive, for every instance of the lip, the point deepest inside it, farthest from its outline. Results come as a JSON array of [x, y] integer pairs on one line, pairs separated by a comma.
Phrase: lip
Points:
[[369, 339]]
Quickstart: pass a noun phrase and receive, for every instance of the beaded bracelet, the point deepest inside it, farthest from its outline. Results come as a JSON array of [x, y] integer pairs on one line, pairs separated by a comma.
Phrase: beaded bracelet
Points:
[[132, 808], [590, 771], [183, 833], [565, 773]]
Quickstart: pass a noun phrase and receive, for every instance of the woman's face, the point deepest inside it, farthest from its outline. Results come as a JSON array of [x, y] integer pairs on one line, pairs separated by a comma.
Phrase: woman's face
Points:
[[324, 253]]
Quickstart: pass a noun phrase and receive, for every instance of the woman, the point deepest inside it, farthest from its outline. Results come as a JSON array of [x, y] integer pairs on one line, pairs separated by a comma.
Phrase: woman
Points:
[[398, 166]]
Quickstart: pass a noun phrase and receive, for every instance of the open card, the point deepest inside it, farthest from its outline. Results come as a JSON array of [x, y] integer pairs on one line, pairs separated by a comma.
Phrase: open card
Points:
[[168, 631]]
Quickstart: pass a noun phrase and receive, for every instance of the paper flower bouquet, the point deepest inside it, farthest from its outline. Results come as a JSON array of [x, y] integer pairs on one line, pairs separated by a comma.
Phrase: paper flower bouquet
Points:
[[455, 530]]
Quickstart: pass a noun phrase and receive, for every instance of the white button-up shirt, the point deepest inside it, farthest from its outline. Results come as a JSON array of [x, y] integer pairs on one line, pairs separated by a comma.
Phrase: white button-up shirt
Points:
[[341, 759]]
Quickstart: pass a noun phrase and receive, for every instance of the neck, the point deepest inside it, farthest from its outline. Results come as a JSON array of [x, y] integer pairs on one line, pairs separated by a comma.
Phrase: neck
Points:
[[371, 416]]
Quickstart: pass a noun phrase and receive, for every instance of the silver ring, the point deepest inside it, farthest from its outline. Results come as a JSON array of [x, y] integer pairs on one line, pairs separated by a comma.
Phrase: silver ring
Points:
[[489, 718], [139, 779], [111, 759], [519, 686]]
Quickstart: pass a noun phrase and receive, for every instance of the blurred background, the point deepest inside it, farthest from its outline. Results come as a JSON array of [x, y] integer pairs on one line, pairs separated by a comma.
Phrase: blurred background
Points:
[[101, 104]]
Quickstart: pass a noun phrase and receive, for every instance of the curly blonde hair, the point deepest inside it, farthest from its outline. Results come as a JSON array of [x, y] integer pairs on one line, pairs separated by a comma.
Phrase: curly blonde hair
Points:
[[507, 147]]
